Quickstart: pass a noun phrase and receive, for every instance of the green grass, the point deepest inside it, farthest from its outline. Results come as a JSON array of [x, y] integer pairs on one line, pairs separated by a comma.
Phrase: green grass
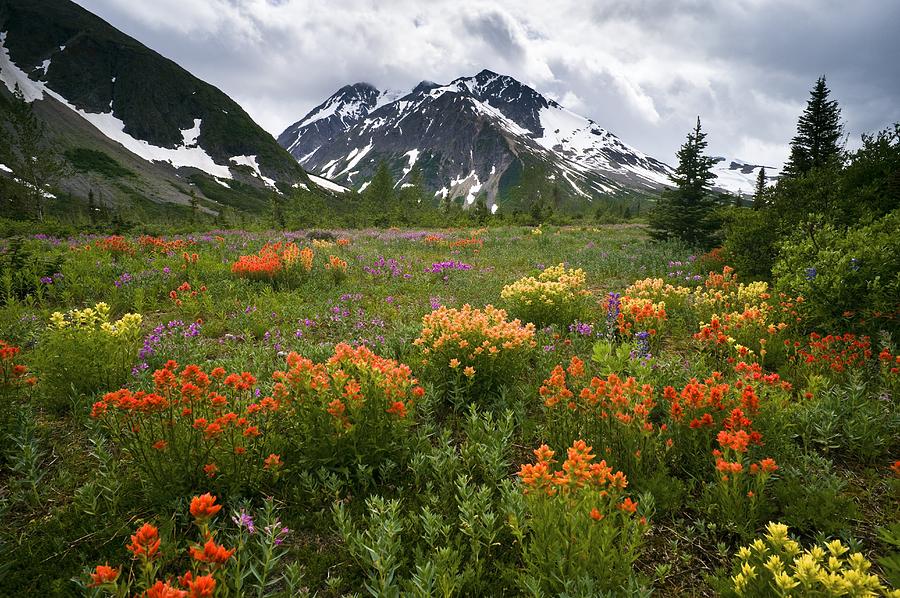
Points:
[[52, 537]]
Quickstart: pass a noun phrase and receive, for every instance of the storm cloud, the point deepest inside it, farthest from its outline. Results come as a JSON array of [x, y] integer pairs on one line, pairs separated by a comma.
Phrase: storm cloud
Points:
[[643, 69]]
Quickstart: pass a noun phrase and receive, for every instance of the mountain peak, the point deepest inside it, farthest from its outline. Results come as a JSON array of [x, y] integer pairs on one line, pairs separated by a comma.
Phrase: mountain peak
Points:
[[476, 134], [425, 86]]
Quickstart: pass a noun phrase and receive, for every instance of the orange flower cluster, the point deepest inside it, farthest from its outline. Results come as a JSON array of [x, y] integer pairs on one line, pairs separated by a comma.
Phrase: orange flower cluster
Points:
[[184, 292], [623, 400], [103, 575], [578, 471], [145, 542], [115, 244], [471, 242], [352, 380], [336, 265], [189, 259], [839, 353], [641, 314], [13, 374], [433, 240], [343, 242], [215, 413], [481, 339], [272, 260], [723, 282], [210, 557], [160, 245], [734, 440], [703, 404]]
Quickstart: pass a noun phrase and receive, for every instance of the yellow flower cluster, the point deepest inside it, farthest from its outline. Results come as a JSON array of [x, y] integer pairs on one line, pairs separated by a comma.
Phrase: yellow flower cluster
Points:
[[780, 563], [97, 317], [656, 289], [555, 296], [471, 340], [322, 244], [302, 257]]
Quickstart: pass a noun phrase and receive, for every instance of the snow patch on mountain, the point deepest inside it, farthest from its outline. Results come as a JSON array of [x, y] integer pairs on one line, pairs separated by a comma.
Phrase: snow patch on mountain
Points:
[[254, 166], [189, 154], [13, 76], [190, 136], [739, 176], [412, 155], [325, 183]]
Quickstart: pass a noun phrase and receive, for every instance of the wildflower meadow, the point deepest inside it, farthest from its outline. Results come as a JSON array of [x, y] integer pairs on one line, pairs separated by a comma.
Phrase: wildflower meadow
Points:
[[574, 411]]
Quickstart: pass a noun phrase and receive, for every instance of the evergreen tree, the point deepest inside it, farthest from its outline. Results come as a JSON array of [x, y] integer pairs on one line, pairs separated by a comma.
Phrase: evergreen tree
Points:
[[278, 220], [379, 195], [195, 206], [34, 160], [687, 212], [539, 209], [759, 197], [380, 191], [480, 210], [92, 207], [819, 132]]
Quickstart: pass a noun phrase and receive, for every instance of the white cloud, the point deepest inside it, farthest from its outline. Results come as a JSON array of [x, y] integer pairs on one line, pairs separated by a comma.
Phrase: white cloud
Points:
[[641, 68]]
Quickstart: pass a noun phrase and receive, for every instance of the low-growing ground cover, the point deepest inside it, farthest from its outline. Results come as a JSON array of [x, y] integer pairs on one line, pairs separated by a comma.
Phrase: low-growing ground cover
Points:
[[434, 413]]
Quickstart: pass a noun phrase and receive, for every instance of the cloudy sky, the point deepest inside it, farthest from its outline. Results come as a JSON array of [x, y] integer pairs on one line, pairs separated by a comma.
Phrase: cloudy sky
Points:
[[643, 69]]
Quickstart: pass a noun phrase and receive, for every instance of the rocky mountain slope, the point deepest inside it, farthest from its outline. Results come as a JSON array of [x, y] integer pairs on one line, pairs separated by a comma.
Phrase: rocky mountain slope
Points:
[[102, 92], [487, 134]]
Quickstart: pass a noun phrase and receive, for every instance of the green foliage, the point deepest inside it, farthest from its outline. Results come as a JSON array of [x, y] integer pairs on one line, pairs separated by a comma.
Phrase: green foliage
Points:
[[819, 132], [751, 240], [688, 212], [811, 497], [845, 274], [451, 537], [850, 422], [85, 159]]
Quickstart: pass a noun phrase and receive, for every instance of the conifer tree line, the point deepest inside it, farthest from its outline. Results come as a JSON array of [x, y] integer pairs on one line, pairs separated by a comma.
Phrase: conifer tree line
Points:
[[806, 195]]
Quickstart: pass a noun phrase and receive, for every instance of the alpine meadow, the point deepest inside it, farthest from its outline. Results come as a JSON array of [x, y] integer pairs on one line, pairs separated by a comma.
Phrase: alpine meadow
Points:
[[311, 299]]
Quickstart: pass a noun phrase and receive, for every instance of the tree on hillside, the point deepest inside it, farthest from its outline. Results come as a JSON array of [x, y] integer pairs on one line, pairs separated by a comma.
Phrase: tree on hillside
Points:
[[480, 211], [26, 151], [759, 197], [687, 211], [379, 196], [380, 190], [819, 132], [277, 211]]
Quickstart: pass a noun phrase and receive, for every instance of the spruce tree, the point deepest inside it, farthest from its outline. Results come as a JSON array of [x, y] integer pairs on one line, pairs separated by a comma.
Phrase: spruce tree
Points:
[[277, 209], [819, 132], [30, 154], [759, 197], [92, 207], [480, 212], [687, 211], [195, 206]]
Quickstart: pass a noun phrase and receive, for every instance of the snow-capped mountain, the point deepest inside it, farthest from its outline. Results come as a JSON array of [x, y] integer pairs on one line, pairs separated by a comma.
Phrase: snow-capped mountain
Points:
[[482, 134], [99, 90], [738, 176]]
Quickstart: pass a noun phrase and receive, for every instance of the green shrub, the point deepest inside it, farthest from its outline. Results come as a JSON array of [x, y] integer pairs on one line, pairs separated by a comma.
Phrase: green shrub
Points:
[[88, 160], [810, 496], [751, 240], [83, 352], [846, 277], [851, 422]]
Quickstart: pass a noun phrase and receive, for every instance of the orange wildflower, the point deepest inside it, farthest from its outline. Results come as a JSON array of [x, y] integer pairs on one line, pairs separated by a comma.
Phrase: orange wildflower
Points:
[[145, 542], [103, 574], [211, 553], [204, 507]]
